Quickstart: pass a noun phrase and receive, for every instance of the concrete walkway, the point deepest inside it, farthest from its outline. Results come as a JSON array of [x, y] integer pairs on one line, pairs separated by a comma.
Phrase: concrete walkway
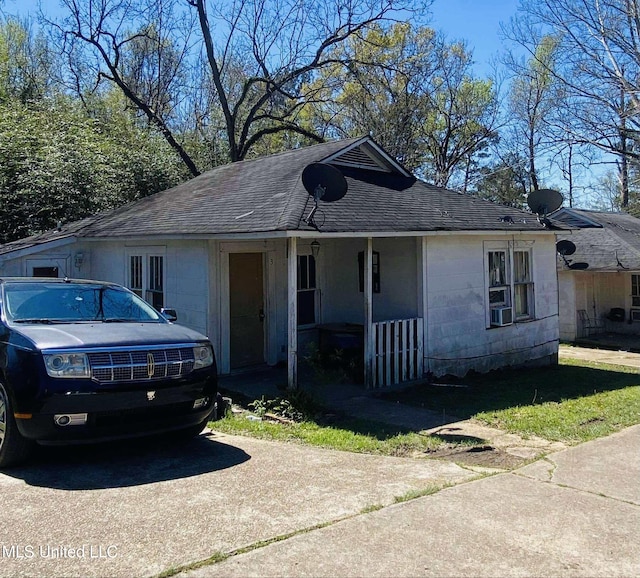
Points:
[[574, 514], [624, 358]]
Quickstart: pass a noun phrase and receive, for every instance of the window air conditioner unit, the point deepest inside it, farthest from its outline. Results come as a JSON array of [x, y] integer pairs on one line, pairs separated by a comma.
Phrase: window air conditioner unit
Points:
[[501, 316]]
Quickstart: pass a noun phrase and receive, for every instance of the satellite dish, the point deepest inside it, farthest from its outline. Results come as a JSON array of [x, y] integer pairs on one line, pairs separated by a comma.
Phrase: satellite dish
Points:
[[324, 182], [579, 266], [544, 201], [565, 247]]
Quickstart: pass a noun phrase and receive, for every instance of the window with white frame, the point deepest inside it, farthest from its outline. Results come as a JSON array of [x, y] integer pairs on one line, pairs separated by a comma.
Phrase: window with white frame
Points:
[[146, 276], [307, 290], [522, 284], [635, 290], [510, 282]]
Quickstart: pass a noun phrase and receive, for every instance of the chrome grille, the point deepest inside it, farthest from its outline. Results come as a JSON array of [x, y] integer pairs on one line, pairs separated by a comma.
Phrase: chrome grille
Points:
[[136, 365]]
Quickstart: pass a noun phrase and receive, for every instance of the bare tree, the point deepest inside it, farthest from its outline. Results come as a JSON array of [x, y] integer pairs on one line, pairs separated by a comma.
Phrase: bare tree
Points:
[[597, 63], [258, 54], [117, 40]]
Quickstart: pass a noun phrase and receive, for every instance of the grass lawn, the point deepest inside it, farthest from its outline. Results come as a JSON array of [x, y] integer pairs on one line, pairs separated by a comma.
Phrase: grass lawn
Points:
[[573, 402], [339, 433]]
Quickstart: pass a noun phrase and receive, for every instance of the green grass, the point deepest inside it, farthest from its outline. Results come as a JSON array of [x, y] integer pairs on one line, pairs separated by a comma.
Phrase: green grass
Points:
[[575, 401], [572, 402], [346, 434]]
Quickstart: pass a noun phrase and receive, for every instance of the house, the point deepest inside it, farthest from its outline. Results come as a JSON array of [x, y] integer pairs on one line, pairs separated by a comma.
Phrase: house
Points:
[[426, 280], [606, 295]]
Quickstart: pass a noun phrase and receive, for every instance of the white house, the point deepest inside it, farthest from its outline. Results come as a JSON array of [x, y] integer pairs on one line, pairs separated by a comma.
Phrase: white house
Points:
[[605, 296], [428, 280]]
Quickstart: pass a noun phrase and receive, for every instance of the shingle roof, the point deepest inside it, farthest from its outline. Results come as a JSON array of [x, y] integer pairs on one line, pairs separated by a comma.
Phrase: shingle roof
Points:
[[267, 195], [606, 241]]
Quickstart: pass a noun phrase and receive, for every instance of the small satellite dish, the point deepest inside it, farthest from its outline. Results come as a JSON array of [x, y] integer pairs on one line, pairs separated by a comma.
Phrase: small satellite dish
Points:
[[579, 266], [544, 201], [565, 247], [324, 183]]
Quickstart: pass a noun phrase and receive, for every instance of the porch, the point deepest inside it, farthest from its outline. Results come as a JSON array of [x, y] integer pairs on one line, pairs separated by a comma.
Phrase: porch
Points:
[[611, 340]]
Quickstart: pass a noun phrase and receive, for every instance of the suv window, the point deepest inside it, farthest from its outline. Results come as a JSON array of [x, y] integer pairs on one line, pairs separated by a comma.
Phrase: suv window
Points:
[[69, 302]]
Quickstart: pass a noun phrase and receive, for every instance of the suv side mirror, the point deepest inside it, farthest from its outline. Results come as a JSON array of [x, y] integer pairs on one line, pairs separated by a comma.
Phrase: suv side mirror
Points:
[[169, 314]]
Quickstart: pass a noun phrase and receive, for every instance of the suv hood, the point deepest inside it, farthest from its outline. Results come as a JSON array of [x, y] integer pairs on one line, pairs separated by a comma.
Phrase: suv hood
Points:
[[102, 335]]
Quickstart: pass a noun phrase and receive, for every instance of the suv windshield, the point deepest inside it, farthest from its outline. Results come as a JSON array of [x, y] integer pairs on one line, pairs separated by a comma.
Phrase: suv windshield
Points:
[[74, 302]]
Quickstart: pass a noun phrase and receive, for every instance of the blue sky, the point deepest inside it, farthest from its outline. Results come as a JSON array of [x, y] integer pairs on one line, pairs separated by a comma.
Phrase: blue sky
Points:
[[476, 21]]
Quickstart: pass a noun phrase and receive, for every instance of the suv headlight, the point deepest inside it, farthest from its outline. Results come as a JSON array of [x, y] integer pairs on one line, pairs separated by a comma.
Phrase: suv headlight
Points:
[[67, 365], [203, 356]]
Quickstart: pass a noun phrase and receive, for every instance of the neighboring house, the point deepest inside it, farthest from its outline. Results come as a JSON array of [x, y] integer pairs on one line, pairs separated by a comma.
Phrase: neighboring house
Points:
[[429, 281], [606, 295]]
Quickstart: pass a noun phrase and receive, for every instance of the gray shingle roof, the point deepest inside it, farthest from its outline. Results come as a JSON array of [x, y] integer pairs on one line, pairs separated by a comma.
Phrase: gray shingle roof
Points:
[[606, 241], [267, 195]]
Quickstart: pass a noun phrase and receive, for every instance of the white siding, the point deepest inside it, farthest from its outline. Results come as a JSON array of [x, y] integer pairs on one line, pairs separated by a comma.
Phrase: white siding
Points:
[[457, 336]]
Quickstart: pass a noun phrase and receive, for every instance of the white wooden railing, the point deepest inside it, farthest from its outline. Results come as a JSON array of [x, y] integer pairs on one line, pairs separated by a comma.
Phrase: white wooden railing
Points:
[[397, 351]]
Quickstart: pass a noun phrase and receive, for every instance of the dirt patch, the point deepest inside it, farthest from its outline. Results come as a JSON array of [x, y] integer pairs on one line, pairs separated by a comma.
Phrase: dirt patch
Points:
[[485, 456]]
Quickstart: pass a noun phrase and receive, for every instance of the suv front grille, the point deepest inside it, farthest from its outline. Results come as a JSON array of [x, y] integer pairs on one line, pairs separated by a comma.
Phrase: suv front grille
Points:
[[141, 365]]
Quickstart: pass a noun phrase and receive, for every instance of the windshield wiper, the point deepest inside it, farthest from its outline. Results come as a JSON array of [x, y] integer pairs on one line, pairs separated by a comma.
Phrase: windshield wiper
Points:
[[43, 321]]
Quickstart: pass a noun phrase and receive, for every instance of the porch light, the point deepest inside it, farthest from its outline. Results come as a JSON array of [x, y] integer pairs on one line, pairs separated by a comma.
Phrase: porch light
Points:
[[315, 249], [78, 259]]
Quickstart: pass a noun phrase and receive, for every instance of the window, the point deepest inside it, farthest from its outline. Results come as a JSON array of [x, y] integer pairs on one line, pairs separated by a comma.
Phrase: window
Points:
[[522, 284], [498, 280], [635, 290], [146, 277], [510, 283], [375, 271], [307, 290]]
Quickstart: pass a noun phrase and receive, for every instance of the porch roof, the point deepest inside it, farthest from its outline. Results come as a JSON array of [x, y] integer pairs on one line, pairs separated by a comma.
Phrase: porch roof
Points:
[[606, 241], [266, 195]]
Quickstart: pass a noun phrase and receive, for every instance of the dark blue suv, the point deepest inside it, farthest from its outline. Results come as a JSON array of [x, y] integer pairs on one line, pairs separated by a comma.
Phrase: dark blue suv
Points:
[[87, 360]]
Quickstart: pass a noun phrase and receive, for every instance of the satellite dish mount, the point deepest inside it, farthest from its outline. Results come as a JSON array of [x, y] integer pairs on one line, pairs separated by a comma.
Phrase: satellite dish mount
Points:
[[323, 183]]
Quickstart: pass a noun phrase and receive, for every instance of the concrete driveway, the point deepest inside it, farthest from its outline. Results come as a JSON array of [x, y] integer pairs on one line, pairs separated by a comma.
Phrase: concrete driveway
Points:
[[574, 514], [139, 509]]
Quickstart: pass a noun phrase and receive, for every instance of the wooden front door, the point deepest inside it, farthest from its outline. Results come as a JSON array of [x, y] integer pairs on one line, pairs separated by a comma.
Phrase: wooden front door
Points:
[[246, 309]]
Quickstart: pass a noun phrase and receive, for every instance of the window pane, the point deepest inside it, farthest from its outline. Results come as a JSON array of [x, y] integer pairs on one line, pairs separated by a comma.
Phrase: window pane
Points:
[[497, 268], [306, 307], [635, 285], [498, 297], [521, 300], [522, 271], [303, 272], [135, 274], [312, 272], [155, 273]]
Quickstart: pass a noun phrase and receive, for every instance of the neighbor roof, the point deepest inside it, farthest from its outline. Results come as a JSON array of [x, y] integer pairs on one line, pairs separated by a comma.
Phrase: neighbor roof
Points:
[[606, 241], [267, 195]]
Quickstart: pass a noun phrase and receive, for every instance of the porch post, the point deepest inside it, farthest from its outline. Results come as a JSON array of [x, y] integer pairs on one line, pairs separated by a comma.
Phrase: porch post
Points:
[[292, 291], [423, 364], [368, 315]]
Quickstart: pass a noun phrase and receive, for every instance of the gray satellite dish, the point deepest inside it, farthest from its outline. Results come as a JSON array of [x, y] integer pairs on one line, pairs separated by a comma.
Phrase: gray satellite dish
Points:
[[324, 183], [579, 266], [544, 201], [565, 247]]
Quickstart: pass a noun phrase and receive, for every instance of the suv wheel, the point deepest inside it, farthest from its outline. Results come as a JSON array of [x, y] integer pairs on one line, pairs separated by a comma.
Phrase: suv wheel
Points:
[[14, 448]]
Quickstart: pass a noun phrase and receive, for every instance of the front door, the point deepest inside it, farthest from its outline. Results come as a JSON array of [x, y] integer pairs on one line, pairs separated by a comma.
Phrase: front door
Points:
[[246, 309]]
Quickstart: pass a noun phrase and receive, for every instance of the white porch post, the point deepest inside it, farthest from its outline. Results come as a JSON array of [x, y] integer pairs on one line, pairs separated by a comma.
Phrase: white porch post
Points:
[[368, 315], [422, 306], [292, 291]]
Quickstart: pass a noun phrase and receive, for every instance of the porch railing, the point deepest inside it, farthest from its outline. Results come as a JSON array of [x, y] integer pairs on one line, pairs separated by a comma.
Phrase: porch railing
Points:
[[397, 351]]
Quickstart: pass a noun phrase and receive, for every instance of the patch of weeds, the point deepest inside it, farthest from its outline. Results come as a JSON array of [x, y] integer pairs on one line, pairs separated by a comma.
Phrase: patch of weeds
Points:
[[413, 494], [297, 406], [336, 366], [372, 508]]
